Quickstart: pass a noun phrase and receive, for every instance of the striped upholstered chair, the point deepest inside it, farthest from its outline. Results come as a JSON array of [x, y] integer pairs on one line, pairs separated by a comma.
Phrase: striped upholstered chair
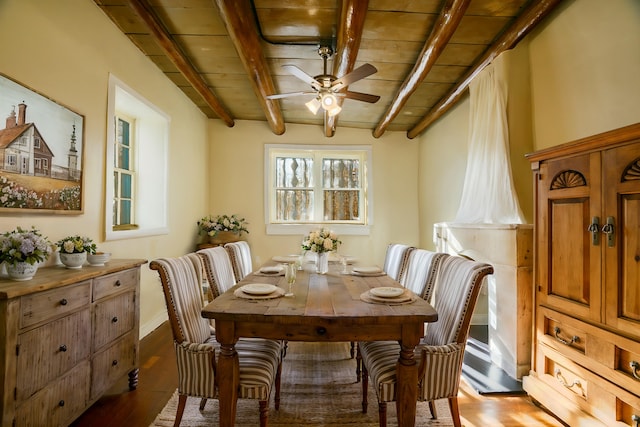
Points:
[[240, 254], [197, 349], [395, 259], [440, 354], [419, 276], [218, 269]]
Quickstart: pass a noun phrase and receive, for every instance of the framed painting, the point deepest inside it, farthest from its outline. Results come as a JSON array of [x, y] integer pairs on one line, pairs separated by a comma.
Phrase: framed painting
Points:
[[41, 152]]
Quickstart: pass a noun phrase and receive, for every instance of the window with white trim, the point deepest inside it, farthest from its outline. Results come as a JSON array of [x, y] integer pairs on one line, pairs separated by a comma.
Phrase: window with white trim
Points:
[[136, 165], [312, 186]]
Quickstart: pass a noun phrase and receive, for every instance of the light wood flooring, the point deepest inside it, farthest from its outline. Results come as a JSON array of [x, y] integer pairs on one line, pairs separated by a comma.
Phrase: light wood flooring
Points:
[[158, 381]]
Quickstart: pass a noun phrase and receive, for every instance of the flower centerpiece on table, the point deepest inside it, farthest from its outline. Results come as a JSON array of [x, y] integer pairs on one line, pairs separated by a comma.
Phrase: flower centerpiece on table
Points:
[[215, 225], [74, 250], [22, 250], [321, 242]]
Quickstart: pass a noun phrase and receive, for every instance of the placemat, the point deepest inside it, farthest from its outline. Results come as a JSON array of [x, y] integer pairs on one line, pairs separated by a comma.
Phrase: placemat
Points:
[[275, 294], [406, 298]]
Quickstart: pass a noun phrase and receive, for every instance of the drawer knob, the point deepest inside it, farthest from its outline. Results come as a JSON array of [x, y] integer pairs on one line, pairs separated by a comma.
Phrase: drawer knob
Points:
[[61, 403], [63, 348], [118, 283], [634, 369], [64, 301], [114, 363], [574, 338], [575, 383], [321, 330], [115, 319]]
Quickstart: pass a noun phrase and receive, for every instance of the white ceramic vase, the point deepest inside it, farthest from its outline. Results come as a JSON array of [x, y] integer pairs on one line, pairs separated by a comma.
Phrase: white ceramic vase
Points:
[[322, 262], [74, 260], [21, 271]]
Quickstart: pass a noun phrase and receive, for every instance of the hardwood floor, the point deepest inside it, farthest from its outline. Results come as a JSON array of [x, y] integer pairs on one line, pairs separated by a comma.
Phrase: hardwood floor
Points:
[[158, 381]]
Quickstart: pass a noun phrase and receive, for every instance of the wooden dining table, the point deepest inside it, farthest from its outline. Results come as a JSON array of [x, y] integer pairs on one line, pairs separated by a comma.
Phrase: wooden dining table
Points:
[[325, 307]]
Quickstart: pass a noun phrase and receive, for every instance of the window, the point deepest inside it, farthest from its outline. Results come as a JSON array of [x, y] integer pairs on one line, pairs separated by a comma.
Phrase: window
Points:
[[136, 165], [124, 176], [316, 185]]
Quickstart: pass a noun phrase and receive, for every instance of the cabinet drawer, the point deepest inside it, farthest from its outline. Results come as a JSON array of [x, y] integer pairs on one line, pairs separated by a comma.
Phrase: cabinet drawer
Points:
[[113, 317], [114, 283], [50, 304], [112, 363], [48, 351], [561, 333], [59, 403]]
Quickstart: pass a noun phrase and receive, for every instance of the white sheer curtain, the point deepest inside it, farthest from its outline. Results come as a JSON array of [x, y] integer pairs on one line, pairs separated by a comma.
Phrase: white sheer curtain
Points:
[[488, 195]]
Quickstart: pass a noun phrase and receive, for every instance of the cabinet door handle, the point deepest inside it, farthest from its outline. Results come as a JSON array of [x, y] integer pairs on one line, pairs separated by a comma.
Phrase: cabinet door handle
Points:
[[114, 319], [575, 383], [574, 338], [636, 419], [61, 403], [594, 229], [114, 363], [63, 348], [609, 229], [634, 369]]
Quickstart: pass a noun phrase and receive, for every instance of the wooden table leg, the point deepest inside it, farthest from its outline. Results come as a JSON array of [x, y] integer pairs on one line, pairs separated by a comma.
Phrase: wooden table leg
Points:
[[228, 373], [407, 376]]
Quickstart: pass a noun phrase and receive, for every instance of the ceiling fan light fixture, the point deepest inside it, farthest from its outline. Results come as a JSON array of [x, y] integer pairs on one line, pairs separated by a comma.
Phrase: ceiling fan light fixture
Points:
[[314, 105], [334, 111], [329, 101]]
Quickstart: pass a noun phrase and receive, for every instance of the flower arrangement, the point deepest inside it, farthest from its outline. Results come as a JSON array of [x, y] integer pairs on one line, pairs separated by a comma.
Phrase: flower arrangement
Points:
[[322, 240], [76, 244], [210, 224], [24, 246]]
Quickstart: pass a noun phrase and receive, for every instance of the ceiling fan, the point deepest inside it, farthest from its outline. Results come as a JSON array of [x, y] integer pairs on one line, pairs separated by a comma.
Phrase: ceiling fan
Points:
[[327, 88]]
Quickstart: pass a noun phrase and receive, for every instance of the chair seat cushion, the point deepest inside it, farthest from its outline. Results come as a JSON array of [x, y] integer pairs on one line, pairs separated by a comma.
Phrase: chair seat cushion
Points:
[[380, 358]]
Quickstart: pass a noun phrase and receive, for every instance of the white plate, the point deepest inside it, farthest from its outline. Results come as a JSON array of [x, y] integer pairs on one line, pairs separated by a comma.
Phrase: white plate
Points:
[[258, 289], [272, 269], [367, 270], [386, 292], [287, 259]]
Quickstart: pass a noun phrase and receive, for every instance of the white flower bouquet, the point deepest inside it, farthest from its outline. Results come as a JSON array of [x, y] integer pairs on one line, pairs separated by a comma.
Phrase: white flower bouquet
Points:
[[323, 240]]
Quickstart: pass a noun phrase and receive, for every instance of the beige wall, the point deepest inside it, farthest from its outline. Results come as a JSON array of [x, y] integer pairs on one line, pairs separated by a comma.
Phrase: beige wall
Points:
[[575, 76], [237, 184], [66, 49]]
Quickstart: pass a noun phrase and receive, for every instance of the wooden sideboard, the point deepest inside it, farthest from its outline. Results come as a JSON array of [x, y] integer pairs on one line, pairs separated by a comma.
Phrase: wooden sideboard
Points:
[[67, 336], [586, 365]]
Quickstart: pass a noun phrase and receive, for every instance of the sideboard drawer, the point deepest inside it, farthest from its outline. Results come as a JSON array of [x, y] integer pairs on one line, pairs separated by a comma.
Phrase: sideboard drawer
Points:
[[113, 283], [46, 305], [50, 350], [112, 363], [113, 318], [58, 403]]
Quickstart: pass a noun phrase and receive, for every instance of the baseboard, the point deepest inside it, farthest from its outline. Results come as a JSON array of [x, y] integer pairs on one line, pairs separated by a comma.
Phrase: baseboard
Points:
[[153, 324]]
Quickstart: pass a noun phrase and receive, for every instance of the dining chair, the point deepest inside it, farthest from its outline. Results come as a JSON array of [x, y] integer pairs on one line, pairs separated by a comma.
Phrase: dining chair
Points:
[[240, 254], [218, 269], [197, 350], [419, 277], [395, 259], [439, 355]]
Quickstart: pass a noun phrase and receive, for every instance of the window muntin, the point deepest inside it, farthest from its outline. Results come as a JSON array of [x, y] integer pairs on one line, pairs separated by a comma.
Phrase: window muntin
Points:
[[317, 185], [123, 175]]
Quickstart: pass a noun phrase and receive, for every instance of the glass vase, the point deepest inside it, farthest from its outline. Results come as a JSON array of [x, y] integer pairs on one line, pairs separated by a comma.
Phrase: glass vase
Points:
[[322, 262]]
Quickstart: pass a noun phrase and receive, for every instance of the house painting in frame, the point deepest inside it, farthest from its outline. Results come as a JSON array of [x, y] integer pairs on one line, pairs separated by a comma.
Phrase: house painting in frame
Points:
[[41, 147]]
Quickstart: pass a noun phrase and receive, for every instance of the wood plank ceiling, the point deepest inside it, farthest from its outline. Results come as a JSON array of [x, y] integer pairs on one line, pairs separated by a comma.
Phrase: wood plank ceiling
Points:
[[227, 55]]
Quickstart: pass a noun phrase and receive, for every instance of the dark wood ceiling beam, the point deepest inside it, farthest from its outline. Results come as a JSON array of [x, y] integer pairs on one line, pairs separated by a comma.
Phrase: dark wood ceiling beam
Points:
[[520, 28], [350, 28], [179, 59], [446, 24], [239, 19]]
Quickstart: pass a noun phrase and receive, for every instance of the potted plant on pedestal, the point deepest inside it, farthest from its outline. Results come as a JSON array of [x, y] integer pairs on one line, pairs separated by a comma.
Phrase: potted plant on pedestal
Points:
[[221, 229]]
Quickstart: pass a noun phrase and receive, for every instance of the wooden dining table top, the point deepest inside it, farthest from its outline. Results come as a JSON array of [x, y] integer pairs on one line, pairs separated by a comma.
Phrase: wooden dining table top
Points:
[[319, 299]]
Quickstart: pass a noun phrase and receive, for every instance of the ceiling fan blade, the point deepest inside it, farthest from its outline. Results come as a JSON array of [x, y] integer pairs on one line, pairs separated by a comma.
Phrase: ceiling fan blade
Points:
[[286, 95], [297, 72], [359, 73], [358, 96]]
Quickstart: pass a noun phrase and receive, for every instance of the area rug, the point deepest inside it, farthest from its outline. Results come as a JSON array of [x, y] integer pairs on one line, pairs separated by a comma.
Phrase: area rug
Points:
[[319, 388]]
